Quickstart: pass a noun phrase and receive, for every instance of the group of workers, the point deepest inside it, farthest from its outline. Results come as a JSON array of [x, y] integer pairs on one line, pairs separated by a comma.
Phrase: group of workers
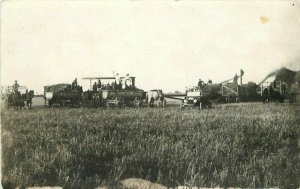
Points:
[[119, 83], [97, 86], [122, 83], [201, 83]]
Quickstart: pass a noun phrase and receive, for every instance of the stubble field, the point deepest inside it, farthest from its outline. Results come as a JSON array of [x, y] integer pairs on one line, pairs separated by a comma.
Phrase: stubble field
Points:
[[241, 145]]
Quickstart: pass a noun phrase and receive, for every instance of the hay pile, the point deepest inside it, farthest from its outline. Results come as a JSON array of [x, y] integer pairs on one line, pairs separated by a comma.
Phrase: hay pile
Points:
[[56, 88]]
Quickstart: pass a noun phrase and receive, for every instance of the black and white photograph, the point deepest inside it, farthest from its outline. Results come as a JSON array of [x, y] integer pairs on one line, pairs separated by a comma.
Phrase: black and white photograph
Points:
[[150, 94]]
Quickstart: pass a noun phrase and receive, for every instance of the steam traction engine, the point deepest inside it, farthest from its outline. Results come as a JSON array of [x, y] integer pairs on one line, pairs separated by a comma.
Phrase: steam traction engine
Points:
[[113, 95]]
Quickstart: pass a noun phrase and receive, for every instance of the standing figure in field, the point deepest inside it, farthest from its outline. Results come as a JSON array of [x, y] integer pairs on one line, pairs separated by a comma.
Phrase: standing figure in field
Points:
[[235, 78], [117, 80], [95, 87], [200, 83], [265, 95], [209, 82], [128, 82], [155, 95], [99, 85], [74, 84], [16, 86]]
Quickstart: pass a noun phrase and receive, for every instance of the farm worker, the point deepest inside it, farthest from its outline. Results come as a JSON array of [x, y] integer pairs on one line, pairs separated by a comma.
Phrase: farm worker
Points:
[[123, 84], [271, 90], [117, 80], [99, 84], [74, 83], [95, 87], [283, 87], [16, 86], [209, 81], [235, 78], [127, 80], [200, 82]]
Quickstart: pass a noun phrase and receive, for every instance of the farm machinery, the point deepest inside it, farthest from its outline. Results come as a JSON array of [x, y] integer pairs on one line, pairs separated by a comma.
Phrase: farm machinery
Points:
[[227, 91], [193, 97], [277, 91], [113, 95], [107, 93], [62, 95], [280, 86]]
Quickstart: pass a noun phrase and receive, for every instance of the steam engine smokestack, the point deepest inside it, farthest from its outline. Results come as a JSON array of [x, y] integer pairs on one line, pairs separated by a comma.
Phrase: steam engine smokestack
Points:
[[241, 76]]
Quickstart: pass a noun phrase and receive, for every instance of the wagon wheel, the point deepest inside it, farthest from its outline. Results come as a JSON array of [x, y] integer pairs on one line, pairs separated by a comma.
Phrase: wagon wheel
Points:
[[120, 102], [137, 102], [107, 105], [47, 103]]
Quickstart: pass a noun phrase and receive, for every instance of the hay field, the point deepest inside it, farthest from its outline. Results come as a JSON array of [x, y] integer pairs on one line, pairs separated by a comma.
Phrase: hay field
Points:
[[237, 145]]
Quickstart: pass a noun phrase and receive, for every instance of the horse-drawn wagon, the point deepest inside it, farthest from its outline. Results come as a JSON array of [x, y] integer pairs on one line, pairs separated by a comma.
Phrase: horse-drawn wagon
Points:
[[17, 98]]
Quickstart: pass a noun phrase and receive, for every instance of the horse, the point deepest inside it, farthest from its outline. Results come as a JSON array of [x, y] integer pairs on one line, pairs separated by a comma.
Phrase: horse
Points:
[[14, 100], [155, 95], [28, 96]]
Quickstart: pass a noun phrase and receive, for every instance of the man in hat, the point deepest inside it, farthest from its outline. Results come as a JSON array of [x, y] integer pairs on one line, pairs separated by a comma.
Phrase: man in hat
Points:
[[16, 86], [117, 80], [95, 87], [235, 78], [99, 84], [200, 83], [127, 80], [74, 83]]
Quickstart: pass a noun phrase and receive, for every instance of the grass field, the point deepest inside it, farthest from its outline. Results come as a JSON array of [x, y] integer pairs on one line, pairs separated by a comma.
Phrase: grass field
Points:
[[245, 145]]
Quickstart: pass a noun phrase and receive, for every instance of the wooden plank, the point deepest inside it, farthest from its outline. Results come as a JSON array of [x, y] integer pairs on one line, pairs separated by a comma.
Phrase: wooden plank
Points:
[[235, 92]]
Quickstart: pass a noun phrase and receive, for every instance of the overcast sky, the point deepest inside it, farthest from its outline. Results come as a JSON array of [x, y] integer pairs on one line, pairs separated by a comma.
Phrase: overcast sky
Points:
[[165, 44]]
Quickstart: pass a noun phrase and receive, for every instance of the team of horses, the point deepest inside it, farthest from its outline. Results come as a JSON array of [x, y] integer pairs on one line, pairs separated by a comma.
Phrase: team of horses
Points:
[[16, 100]]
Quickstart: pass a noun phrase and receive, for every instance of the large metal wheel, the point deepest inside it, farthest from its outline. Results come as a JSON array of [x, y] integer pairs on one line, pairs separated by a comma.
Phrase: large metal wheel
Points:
[[47, 103], [120, 102], [137, 102]]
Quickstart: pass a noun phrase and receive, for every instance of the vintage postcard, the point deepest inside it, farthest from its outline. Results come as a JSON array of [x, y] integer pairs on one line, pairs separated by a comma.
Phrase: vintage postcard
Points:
[[150, 94]]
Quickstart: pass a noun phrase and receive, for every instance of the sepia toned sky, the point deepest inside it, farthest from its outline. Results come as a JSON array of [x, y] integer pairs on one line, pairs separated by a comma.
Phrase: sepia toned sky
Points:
[[166, 44]]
